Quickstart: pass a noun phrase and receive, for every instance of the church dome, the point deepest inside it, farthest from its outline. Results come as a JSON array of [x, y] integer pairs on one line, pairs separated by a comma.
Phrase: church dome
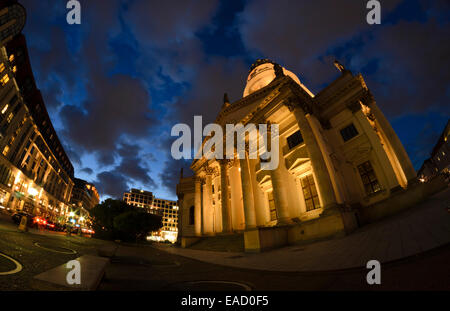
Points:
[[262, 72]]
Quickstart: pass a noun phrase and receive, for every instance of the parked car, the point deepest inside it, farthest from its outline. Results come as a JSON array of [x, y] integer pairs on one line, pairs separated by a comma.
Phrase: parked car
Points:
[[17, 217]]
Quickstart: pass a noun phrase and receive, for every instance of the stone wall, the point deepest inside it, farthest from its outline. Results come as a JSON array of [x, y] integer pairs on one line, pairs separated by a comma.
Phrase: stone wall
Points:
[[401, 200]]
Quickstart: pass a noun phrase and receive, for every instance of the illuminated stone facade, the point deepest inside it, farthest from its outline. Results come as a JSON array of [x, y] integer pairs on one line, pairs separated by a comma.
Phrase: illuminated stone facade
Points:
[[439, 162], [167, 209], [337, 152], [35, 173]]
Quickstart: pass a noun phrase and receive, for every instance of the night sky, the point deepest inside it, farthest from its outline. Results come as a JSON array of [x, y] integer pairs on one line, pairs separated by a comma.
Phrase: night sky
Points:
[[116, 84]]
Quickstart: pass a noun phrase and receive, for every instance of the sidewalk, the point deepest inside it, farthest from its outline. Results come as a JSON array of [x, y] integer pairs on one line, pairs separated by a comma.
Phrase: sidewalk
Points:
[[414, 231]]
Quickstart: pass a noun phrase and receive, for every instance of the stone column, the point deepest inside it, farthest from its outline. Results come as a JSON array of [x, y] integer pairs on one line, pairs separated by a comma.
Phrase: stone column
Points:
[[318, 164], [208, 208], [280, 196], [247, 193], [198, 206], [393, 140], [226, 215]]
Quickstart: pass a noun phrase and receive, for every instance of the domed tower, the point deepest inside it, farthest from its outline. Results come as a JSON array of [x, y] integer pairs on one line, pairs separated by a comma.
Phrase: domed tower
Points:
[[262, 72]]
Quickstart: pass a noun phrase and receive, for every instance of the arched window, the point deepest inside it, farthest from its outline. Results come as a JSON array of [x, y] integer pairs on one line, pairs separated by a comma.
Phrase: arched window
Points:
[[191, 215]]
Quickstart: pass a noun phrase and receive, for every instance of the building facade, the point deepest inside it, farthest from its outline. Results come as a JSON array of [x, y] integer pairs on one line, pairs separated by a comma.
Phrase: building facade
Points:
[[336, 150], [84, 197], [84, 194], [12, 20], [439, 161], [36, 174], [167, 209]]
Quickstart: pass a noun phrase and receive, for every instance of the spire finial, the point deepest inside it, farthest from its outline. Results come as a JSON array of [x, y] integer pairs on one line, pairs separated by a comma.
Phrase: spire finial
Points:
[[339, 66]]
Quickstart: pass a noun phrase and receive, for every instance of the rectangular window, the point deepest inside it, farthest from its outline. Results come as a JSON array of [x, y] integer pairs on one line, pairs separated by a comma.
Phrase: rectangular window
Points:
[[272, 209], [295, 139], [310, 193], [368, 178], [348, 132], [5, 151], [4, 79], [5, 108]]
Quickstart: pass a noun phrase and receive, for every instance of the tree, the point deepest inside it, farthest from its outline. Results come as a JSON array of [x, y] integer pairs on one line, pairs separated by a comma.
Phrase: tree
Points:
[[114, 219], [136, 225]]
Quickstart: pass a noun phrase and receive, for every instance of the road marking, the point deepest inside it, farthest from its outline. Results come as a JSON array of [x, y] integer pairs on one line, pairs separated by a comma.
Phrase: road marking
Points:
[[18, 265], [53, 250]]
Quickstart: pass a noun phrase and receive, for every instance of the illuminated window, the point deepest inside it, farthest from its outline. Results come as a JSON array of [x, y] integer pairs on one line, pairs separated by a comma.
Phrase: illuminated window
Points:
[[368, 177], [295, 139], [2, 67], [11, 57], [14, 69], [5, 108], [348, 132], [5, 151], [10, 116], [310, 193], [5, 79]]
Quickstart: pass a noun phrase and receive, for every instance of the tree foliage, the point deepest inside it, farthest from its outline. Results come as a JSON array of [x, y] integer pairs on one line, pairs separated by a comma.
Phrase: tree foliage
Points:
[[114, 219]]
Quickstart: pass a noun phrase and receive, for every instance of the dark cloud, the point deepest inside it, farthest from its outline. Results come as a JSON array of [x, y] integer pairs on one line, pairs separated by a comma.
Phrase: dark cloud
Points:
[[117, 106], [296, 33], [163, 24], [87, 170], [170, 176], [111, 183], [410, 74]]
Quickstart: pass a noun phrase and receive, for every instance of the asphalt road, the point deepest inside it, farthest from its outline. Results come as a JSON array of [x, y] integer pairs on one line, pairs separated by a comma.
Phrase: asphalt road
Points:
[[141, 267]]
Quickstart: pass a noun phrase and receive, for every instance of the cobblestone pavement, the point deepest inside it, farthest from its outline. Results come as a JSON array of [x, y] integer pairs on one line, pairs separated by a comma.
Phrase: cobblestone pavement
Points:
[[416, 230]]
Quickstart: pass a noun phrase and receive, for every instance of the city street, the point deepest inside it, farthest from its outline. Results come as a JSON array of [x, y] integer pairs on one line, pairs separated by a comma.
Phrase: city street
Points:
[[142, 267]]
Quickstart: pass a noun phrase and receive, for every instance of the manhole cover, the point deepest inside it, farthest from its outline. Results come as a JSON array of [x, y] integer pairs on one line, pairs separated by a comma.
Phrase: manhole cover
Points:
[[211, 286], [56, 249], [9, 264]]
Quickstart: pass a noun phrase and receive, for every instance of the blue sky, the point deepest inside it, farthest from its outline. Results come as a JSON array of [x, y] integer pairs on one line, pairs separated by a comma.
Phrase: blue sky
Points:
[[116, 84]]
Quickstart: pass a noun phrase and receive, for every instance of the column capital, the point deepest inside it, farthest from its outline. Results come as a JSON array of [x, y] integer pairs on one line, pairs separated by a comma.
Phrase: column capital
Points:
[[293, 102], [199, 179], [210, 170]]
